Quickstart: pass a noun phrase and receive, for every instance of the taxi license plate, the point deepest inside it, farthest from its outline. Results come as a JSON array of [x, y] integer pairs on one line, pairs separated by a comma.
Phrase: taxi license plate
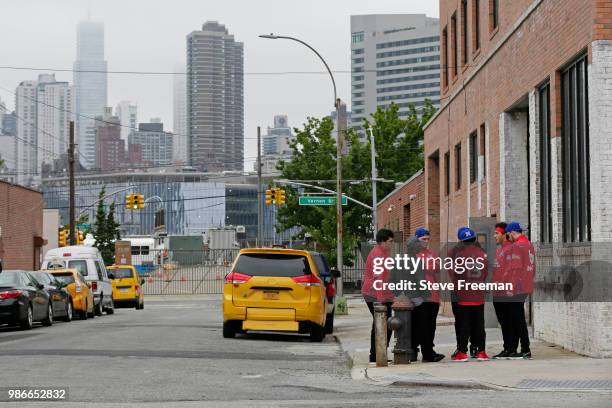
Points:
[[271, 295], [124, 290]]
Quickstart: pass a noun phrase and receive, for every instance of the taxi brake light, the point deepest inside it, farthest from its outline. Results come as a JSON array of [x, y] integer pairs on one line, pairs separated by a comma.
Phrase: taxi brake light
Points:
[[237, 278], [94, 286], [307, 280]]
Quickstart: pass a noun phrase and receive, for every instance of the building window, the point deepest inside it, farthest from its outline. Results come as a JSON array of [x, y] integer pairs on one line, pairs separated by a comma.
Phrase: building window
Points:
[[447, 173], [358, 51], [464, 33], [357, 60], [458, 166], [482, 146], [576, 193], [475, 25], [493, 14], [357, 37], [545, 165], [473, 156], [454, 54], [407, 229], [444, 58]]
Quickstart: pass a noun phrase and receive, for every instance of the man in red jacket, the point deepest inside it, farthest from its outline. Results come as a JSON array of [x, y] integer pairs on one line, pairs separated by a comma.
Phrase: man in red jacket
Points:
[[424, 316], [519, 261], [376, 271], [469, 310]]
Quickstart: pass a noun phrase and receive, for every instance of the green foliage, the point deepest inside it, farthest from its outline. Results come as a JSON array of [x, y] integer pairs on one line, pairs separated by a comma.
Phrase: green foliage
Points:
[[106, 230], [399, 147]]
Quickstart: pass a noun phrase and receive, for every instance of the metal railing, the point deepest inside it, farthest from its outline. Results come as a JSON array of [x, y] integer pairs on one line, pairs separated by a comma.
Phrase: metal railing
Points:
[[184, 272]]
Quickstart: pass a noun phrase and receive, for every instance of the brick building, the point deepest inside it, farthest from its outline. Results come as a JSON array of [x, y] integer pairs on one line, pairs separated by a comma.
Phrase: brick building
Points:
[[403, 210], [524, 133], [21, 223]]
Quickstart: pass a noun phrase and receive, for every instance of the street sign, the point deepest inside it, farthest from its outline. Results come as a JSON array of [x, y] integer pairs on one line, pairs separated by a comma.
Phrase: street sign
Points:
[[83, 226], [321, 200]]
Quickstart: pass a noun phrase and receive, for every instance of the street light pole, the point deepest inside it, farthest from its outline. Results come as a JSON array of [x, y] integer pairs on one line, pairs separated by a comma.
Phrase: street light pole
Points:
[[374, 177], [339, 223]]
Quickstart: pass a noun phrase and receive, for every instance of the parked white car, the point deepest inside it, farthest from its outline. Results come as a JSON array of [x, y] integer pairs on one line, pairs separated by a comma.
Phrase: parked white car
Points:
[[88, 261]]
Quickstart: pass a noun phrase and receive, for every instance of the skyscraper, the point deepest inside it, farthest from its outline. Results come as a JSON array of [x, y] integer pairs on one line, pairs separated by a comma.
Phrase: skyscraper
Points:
[[180, 116], [90, 88], [128, 118], [215, 99], [44, 110], [395, 58]]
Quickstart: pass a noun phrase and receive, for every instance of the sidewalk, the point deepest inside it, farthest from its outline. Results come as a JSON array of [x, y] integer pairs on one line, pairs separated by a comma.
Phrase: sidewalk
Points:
[[552, 368]]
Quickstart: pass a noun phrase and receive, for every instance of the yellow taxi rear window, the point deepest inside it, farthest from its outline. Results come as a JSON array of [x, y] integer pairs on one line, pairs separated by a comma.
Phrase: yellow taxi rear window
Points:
[[273, 265]]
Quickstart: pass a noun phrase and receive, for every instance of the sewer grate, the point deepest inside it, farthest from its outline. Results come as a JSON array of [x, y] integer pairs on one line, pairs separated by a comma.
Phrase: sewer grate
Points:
[[567, 384]]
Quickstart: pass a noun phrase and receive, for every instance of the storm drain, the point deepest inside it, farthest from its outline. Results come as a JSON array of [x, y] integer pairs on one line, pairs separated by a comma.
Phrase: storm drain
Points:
[[567, 384]]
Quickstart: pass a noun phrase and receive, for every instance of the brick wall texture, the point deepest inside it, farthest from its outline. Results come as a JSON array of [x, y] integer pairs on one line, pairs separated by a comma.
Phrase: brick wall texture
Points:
[[404, 209], [496, 90], [21, 219]]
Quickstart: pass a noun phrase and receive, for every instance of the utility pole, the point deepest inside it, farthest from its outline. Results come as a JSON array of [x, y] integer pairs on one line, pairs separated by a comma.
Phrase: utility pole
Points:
[[71, 175], [259, 191], [340, 126], [374, 177]]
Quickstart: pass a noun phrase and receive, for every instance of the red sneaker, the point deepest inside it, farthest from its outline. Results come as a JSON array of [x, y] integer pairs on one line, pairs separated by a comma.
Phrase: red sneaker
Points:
[[459, 356], [482, 356]]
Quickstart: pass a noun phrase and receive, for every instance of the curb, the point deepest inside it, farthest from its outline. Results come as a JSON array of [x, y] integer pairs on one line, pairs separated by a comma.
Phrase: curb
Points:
[[437, 383]]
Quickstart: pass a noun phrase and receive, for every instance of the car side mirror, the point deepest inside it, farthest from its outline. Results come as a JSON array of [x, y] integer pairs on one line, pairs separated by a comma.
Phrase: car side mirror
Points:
[[40, 286], [142, 281], [335, 272], [111, 276]]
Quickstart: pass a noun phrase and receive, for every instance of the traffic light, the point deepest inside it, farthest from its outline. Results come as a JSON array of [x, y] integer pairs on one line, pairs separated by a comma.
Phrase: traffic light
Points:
[[140, 202], [80, 237], [129, 201], [280, 197], [63, 238], [270, 196]]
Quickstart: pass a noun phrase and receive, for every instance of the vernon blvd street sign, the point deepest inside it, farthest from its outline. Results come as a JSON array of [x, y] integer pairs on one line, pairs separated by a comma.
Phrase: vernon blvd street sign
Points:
[[321, 200]]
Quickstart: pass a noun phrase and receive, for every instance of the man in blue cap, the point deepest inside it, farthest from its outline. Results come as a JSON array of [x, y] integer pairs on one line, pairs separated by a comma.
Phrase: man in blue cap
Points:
[[520, 263], [469, 310], [425, 315]]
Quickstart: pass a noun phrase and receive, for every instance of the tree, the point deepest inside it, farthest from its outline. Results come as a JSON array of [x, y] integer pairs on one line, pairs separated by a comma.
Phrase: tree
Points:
[[399, 147], [106, 230]]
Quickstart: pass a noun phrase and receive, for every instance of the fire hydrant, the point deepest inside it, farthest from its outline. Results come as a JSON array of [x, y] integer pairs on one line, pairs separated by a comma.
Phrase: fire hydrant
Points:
[[400, 323]]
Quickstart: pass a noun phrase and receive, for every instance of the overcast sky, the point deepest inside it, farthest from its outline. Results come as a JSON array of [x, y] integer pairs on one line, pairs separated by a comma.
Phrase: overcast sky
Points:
[[149, 35]]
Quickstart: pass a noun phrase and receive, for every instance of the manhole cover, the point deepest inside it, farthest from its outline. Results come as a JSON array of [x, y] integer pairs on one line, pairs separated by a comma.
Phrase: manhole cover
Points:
[[567, 384]]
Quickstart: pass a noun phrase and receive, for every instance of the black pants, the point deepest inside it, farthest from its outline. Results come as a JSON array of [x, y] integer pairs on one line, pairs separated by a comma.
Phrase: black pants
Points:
[[423, 327], [373, 332], [469, 326], [510, 313]]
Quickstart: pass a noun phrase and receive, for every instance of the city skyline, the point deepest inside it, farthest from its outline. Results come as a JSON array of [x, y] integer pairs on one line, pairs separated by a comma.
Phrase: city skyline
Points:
[[160, 50]]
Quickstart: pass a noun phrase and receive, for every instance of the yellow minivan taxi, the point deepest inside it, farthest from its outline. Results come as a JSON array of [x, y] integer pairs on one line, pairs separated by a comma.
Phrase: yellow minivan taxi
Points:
[[273, 289], [77, 286], [127, 286]]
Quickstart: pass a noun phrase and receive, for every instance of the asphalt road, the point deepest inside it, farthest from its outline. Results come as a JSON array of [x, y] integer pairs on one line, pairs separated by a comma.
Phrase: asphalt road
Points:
[[172, 354]]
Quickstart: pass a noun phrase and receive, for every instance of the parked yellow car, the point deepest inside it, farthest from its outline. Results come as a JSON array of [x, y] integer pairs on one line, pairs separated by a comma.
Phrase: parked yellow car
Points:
[[80, 292], [127, 285], [274, 289]]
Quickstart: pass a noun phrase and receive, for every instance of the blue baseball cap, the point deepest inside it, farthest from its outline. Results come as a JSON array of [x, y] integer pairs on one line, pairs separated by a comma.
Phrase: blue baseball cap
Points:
[[465, 233], [514, 226], [421, 232]]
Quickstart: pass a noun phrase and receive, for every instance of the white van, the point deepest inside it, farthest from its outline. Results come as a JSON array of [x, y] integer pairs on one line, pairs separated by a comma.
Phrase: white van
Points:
[[88, 261]]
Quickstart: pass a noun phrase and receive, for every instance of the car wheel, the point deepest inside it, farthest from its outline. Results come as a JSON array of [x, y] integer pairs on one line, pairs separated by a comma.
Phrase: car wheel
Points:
[[111, 309], [27, 323], [98, 307], [68, 317], [49, 320], [229, 329], [83, 313], [93, 312], [136, 304], [317, 333], [329, 323]]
